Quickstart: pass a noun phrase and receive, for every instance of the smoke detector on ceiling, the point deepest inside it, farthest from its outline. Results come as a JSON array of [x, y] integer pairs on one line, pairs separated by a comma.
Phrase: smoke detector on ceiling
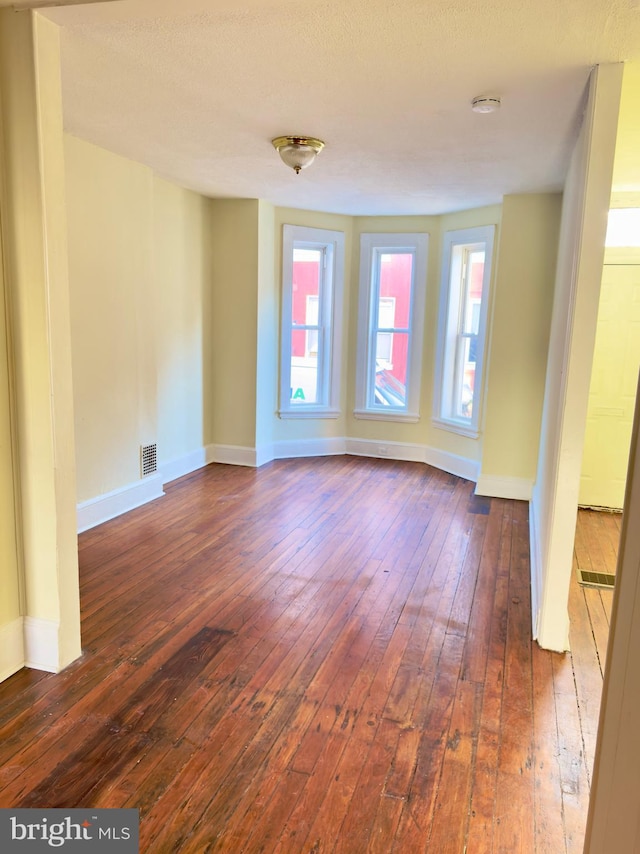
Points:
[[484, 104]]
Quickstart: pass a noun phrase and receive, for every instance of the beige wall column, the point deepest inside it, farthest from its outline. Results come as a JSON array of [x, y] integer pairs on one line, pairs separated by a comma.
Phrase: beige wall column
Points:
[[11, 622], [268, 325], [36, 279], [573, 326], [525, 260], [235, 252]]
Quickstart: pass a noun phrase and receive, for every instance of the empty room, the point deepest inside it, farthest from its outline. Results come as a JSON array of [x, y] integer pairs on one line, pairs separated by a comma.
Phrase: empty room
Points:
[[313, 343]]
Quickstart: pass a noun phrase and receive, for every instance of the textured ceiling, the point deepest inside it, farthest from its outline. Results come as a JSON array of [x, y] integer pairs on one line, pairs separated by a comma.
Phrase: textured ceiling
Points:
[[196, 89]]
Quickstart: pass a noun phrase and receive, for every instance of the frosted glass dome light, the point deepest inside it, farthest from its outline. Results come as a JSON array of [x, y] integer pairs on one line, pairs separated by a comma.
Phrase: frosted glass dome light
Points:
[[298, 152]]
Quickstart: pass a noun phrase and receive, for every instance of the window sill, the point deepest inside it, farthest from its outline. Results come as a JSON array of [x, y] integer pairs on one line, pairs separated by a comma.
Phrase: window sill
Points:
[[386, 415], [309, 412], [456, 427]]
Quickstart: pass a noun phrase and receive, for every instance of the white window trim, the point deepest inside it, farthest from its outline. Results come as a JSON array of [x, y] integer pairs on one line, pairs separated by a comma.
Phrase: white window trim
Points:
[[419, 244], [464, 237], [329, 371]]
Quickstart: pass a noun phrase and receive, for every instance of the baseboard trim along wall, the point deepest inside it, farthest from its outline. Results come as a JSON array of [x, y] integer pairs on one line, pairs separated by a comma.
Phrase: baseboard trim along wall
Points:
[[41, 644], [517, 488], [97, 510], [535, 559], [327, 447], [178, 467], [233, 455], [104, 507], [385, 450], [11, 648], [452, 463]]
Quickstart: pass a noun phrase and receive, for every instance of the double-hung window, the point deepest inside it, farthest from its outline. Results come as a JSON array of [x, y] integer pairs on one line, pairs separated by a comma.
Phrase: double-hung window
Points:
[[312, 290], [393, 275], [464, 300]]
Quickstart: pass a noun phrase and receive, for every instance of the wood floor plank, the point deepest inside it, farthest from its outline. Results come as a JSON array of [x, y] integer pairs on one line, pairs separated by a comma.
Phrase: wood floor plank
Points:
[[330, 654], [549, 833], [485, 780]]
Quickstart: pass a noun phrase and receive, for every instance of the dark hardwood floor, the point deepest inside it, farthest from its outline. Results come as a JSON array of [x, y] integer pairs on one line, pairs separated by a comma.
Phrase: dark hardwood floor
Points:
[[326, 655]]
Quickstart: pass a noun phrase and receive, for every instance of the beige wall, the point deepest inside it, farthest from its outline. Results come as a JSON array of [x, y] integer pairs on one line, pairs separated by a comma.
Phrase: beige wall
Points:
[[35, 249], [10, 604], [182, 296], [114, 315], [140, 273], [519, 337], [235, 239]]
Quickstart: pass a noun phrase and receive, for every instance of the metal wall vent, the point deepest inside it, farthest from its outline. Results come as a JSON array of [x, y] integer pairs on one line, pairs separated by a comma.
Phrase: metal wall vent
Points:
[[148, 459], [596, 579]]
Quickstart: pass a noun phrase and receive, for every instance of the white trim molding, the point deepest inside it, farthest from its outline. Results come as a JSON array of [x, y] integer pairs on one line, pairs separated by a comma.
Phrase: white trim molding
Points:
[[452, 463], [385, 450], [324, 447], [41, 644], [386, 415], [232, 455], [11, 648], [535, 561], [452, 319], [518, 488], [179, 466], [97, 510], [373, 247], [328, 248]]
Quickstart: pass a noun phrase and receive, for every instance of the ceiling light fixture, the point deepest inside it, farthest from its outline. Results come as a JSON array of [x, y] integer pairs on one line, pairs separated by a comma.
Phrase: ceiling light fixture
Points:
[[482, 104], [298, 152]]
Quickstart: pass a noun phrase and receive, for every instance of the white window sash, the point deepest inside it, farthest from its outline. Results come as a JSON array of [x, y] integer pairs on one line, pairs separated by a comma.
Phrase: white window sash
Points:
[[328, 328], [452, 337], [372, 247]]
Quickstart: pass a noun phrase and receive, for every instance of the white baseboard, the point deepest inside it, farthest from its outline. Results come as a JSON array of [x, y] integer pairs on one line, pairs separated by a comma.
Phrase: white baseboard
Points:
[[95, 511], [460, 466], [386, 450], [321, 447], [41, 644], [264, 454], [180, 466], [518, 488], [11, 648], [535, 562], [232, 455], [452, 463]]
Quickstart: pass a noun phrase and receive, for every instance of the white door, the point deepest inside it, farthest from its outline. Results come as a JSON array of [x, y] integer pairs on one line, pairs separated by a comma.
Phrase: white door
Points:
[[616, 362]]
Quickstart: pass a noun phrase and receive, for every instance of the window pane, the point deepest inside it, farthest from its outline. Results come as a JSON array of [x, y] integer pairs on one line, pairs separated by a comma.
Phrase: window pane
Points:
[[304, 371], [386, 318], [305, 312], [391, 376], [473, 292], [312, 320], [306, 282], [465, 281], [396, 273], [465, 377]]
